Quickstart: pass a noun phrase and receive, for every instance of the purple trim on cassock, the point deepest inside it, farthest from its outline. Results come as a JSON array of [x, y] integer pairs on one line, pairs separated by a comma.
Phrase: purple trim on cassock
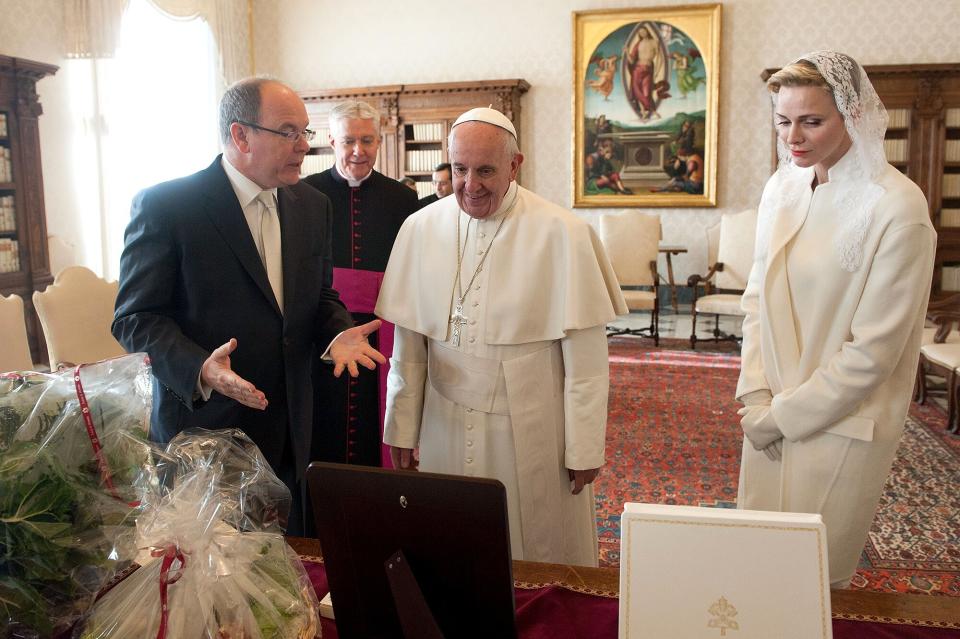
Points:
[[358, 291]]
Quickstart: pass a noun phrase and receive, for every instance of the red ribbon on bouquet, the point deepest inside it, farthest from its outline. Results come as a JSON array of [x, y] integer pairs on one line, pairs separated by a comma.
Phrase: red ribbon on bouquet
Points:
[[92, 434], [95, 439], [170, 554]]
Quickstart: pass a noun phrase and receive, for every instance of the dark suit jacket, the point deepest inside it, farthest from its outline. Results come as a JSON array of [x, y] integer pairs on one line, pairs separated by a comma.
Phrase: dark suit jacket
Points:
[[191, 278], [430, 199]]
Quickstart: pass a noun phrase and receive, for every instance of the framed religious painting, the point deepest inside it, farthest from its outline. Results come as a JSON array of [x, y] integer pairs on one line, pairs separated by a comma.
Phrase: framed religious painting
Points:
[[646, 89]]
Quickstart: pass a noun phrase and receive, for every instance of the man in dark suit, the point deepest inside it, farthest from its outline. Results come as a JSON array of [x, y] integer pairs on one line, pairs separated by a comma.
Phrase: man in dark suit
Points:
[[442, 182], [225, 281]]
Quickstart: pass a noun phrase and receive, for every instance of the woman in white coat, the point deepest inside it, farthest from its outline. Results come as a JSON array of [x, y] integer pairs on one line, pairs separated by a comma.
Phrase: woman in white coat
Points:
[[834, 308]]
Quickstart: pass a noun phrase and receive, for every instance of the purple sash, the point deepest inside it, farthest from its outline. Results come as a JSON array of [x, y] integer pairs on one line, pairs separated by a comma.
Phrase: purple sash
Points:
[[358, 291]]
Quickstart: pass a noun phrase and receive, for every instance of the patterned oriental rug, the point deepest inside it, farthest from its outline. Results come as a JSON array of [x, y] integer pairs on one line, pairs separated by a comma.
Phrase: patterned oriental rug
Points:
[[673, 437]]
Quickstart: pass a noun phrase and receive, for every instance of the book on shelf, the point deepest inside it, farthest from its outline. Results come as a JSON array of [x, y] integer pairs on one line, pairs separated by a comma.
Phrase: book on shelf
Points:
[[951, 151], [951, 185], [8, 220], [953, 118], [423, 160], [950, 218], [316, 163], [428, 131], [424, 189], [896, 150], [3, 125], [322, 138], [899, 118], [6, 165], [9, 255], [950, 278]]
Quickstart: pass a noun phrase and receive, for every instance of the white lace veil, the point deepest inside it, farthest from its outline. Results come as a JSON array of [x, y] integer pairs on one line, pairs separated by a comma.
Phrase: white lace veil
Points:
[[856, 188]]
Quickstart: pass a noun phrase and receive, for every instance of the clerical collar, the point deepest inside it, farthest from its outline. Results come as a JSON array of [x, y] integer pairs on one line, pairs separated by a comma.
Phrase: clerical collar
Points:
[[350, 181], [245, 189]]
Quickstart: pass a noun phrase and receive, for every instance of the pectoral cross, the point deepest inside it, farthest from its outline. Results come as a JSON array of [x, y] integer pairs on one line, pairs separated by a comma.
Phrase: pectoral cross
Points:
[[459, 320]]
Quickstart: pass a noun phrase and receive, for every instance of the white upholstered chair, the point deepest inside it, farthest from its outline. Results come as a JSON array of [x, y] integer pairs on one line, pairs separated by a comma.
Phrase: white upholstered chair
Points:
[[727, 274], [14, 347], [940, 357], [76, 312], [632, 242], [713, 248]]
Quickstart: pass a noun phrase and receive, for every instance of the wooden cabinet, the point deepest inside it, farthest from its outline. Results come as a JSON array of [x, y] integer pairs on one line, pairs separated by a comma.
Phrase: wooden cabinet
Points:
[[415, 121], [923, 141], [24, 262]]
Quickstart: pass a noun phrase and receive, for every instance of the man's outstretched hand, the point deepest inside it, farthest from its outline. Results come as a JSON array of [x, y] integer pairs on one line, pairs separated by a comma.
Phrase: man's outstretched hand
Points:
[[351, 348], [217, 374]]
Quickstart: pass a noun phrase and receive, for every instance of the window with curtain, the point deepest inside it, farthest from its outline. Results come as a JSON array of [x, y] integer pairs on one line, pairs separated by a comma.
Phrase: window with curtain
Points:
[[157, 100]]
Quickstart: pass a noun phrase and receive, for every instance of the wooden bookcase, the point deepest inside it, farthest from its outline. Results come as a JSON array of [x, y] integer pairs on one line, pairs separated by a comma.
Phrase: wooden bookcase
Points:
[[923, 141], [924, 103], [24, 236], [415, 120]]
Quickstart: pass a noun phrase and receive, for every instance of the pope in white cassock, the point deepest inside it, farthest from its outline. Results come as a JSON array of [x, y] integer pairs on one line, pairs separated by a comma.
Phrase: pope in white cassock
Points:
[[500, 300]]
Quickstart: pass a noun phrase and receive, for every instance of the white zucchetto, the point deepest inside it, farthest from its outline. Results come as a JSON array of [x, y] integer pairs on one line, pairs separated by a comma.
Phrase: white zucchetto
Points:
[[490, 116]]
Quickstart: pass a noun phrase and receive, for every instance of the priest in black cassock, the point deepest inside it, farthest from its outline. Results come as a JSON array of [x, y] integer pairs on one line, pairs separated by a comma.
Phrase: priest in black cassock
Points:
[[368, 209]]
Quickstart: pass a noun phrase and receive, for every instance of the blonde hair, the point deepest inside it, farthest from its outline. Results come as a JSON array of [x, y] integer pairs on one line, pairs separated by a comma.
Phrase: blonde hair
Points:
[[801, 73]]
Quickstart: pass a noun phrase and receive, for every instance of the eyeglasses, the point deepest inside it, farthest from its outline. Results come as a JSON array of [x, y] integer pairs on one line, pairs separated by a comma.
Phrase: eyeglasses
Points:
[[293, 136]]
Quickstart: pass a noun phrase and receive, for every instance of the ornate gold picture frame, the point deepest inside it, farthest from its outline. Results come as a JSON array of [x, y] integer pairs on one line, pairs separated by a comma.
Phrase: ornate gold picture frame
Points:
[[646, 90]]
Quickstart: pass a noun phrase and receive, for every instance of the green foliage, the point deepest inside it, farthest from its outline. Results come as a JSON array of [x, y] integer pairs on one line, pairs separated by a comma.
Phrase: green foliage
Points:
[[55, 552]]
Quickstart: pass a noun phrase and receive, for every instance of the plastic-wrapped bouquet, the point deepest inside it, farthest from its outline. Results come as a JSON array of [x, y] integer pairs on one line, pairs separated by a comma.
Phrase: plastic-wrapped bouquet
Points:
[[216, 565], [72, 445]]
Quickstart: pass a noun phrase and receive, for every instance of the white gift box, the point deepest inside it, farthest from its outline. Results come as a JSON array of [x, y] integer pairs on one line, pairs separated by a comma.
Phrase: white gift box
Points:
[[715, 573]]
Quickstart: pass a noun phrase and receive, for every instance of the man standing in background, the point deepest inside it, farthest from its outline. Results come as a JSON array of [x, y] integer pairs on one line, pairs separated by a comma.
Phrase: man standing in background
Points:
[[368, 209], [442, 182]]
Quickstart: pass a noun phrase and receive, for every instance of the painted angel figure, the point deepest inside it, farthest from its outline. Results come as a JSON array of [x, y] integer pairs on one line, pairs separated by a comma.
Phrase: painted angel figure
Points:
[[687, 80], [606, 69]]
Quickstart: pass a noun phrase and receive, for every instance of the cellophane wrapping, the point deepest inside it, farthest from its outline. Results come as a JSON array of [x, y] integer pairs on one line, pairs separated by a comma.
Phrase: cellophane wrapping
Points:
[[67, 512], [214, 563]]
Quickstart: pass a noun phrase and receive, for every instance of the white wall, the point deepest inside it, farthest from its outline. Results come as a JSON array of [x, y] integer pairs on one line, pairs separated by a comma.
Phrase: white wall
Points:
[[315, 44], [323, 43]]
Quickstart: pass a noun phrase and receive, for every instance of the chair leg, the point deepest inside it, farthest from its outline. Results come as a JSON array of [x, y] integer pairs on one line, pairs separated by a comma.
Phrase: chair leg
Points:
[[655, 322], [920, 385], [693, 330], [952, 402]]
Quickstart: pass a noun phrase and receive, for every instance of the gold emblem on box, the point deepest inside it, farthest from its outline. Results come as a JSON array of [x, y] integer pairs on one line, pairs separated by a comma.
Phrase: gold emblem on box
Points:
[[723, 613]]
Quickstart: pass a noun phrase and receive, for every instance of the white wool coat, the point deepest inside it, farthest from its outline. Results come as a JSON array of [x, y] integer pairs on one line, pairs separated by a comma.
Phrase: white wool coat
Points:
[[837, 353]]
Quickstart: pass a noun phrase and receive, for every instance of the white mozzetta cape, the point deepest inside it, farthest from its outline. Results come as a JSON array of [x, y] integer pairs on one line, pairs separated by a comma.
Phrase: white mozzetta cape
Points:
[[543, 255]]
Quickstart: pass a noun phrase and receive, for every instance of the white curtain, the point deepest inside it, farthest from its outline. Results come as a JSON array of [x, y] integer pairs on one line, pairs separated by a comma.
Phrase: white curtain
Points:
[[92, 27]]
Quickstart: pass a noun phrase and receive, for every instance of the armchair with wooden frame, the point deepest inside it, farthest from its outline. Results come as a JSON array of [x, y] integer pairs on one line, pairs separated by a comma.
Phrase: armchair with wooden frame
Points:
[[632, 242], [727, 275], [941, 357]]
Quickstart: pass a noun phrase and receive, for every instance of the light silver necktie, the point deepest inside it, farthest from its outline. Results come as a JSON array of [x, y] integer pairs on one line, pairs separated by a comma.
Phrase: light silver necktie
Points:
[[269, 244]]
